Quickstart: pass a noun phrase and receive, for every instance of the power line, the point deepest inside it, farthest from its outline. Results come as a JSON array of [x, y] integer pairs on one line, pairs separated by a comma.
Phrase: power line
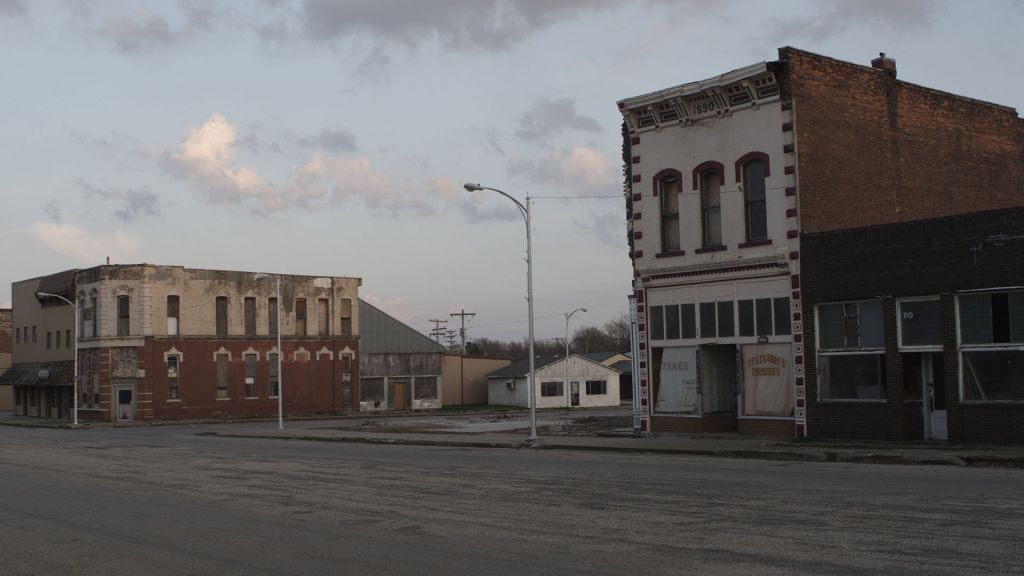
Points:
[[462, 331]]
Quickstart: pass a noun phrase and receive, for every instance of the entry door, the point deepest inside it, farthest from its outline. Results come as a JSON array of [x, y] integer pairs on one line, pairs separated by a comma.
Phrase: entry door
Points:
[[399, 395], [934, 385], [125, 404], [575, 388], [346, 396]]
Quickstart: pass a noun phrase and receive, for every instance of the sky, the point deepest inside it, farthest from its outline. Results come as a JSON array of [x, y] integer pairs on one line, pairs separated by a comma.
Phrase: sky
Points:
[[333, 137]]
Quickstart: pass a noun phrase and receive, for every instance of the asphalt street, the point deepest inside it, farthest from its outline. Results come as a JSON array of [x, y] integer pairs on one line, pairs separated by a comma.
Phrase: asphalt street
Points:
[[164, 500]]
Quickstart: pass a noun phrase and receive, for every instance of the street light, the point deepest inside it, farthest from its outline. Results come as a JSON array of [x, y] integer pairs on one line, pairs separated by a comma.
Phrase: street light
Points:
[[280, 352], [525, 211], [568, 396], [74, 383]]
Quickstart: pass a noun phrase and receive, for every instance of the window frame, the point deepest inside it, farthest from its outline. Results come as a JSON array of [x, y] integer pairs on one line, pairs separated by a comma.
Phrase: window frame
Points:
[[666, 219], [250, 361], [559, 387], [705, 211], [174, 313], [124, 315], [878, 352], [741, 178], [249, 315], [899, 325], [963, 348], [603, 386], [303, 317], [173, 382], [222, 315]]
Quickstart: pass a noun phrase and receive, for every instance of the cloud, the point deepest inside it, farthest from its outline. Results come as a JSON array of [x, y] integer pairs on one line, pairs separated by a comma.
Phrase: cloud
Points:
[[548, 118], [376, 66], [133, 203], [837, 16], [331, 139], [146, 31], [13, 8], [608, 227], [579, 169], [460, 24], [116, 141], [84, 247], [206, 158], [338, 179]]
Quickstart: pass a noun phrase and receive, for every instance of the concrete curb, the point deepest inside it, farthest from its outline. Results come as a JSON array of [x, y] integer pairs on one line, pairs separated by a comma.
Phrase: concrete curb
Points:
[[896, 458]]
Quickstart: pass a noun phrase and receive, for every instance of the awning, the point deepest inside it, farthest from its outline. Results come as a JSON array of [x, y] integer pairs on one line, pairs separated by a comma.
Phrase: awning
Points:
[[61, 284], [56, 373]]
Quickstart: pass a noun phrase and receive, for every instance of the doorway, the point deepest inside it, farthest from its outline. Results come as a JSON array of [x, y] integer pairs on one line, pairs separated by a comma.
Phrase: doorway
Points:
[[719, 379], [925, 380], [398, 395], [125, 395], [574, 387]]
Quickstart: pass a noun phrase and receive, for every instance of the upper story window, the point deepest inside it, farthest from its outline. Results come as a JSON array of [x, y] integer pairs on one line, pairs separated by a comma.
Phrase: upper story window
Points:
[[123, 316], [754, 199], [250, 316], [323, 315], [222, 315], [94, 313], [272, 317], [711, 207], [300, 316], [669, 188], [346, 316], [173, 315], [17, 335]]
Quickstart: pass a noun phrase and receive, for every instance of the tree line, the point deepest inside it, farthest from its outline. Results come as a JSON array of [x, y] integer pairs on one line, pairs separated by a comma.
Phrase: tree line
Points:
[[612, 336]]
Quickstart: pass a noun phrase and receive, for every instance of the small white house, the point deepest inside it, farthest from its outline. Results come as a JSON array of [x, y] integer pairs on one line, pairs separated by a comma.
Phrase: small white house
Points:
[[579, 383]]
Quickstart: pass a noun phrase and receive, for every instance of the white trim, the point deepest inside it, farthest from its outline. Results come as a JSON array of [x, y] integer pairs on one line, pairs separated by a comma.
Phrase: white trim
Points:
[[899, 325], [251, 350], [222, 350]]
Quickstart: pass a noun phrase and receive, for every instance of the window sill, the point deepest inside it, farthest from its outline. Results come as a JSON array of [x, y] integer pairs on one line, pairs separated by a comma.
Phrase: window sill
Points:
[[174, 400], [707, 249], [252, 397], [670, 254], [222, 399], [753, 243]]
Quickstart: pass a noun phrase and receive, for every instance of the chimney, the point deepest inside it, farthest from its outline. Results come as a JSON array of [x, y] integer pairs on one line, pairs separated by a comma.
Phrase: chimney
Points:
[[888, 65]]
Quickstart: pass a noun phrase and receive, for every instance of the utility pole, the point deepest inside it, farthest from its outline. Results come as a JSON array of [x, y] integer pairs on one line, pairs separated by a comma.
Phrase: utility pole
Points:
[[438, 331], [462, 336], [462, 330]]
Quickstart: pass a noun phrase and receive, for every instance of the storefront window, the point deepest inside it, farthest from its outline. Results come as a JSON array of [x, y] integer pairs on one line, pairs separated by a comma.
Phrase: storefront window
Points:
[[992, 346], [850, 351]]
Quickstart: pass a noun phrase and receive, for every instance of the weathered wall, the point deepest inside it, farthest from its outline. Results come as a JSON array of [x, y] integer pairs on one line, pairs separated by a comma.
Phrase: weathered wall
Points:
[[465, 378], [6, 347], [873, 150]]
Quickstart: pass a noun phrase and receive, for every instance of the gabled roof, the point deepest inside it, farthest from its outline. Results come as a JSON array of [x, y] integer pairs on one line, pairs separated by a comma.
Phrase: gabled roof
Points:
[[381, 333], [54, 373], [600, 357], [521, 368], [623, 366]]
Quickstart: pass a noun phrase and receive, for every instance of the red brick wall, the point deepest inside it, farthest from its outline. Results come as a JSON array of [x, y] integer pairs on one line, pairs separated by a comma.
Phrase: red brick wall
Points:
[[873, 150], [309, 387]]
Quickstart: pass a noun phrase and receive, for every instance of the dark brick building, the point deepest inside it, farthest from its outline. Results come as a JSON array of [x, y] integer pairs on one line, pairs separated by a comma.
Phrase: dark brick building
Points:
[[894, 215]]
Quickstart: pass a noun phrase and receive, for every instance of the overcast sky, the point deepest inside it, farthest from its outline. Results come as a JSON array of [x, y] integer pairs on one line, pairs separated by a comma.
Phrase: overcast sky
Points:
[[333, 137]]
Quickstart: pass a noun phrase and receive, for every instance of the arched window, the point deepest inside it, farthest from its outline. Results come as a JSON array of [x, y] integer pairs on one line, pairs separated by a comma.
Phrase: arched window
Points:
[[668, 184], [754, 200], [711, 207]]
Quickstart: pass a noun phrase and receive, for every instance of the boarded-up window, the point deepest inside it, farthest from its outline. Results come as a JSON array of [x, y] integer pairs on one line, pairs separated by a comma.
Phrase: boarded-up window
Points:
[[222, 316], [173, 315], [426, 387], [172, 378], [323, 317], [346, 316], [250, 375], [123, 316], [222, 375], [94, 313], [372, 389], [346, 364], [272, 317], [274, 380], [300, 316], [250, 316]]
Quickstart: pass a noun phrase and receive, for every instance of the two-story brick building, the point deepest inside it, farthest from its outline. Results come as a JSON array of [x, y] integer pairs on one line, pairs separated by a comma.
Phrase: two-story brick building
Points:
[[159, 342], [822, 249]]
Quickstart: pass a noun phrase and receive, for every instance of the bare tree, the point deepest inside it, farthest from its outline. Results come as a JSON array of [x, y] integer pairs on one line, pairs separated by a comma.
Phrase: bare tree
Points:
[[617, 330]]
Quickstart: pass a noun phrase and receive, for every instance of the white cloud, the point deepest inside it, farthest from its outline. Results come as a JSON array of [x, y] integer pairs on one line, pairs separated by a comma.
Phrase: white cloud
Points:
[[338, 179], [206, 158], [548, 118], [84, 247], [579, 169]]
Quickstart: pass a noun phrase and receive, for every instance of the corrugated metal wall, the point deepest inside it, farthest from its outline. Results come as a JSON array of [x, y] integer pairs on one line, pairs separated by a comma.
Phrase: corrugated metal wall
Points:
[[465, 378]]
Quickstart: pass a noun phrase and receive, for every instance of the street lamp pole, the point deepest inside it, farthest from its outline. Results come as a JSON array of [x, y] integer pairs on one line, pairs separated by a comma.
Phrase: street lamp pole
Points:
[[280, 352], [525, 211], [74, 383], [565, 385]]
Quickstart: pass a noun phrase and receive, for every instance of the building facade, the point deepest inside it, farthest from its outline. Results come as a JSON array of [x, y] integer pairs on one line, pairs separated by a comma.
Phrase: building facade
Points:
[[6, 350], [578, 383], [165, 342], [810, 241]]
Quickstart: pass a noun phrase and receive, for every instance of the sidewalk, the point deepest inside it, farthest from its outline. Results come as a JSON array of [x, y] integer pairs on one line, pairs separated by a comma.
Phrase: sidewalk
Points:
[[725, 446]]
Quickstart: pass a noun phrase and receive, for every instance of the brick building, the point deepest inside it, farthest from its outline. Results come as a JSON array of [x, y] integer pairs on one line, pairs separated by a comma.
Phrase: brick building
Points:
[[822, 249], [6, 346], [160, 342]]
